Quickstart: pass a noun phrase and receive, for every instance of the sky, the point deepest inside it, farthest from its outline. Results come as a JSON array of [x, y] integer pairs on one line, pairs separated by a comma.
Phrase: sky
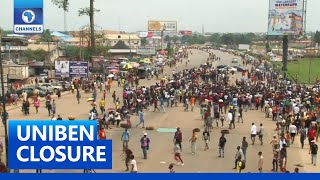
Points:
[[132, 15]]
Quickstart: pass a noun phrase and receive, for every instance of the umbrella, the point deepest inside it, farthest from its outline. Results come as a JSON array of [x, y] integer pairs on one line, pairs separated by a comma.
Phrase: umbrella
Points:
[[123, 63], [127, 66], [139, 100], [113, 70], [90, 99], [164, 79], [134, 64], [111, 109], [172, 81], [110, 75], [112, 67]]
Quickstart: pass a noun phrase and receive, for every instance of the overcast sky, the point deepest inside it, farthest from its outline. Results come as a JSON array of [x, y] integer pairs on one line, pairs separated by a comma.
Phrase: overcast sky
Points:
[[132, 15]]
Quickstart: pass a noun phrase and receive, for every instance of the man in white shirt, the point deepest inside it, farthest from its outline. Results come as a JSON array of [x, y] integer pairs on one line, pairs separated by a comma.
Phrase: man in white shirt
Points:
[[293, 131], [296, 111], [134, 168], [253, 133]]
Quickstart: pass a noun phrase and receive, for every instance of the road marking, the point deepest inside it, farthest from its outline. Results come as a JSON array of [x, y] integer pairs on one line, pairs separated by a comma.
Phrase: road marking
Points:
[[163, 162]]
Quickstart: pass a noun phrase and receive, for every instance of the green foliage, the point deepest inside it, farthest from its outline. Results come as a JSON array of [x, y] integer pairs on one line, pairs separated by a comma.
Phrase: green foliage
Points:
[[38, 55], [74, 52], [62, 4], [46, 36], [143, 41], [316, 37], [86, 11]]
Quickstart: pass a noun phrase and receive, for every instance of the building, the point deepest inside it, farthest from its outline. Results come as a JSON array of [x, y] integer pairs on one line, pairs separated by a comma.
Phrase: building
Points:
[[13, 47], [55, 52], [130, 40], [121, 50]]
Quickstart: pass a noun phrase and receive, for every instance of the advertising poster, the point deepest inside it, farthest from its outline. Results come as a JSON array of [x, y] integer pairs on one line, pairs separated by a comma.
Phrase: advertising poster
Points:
[[285, 17], [78, 69], [146, 50], [62, 68], [162, 25]]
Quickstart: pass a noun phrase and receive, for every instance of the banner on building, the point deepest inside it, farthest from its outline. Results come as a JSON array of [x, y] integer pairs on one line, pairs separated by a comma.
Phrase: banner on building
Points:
[[185, 33], [78, 69], [285, 17], [146, 50], [162, 26], [62, 68]]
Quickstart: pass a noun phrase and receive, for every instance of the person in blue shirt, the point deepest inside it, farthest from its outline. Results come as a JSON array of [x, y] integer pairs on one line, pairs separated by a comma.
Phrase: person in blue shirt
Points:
[[125, 139], [141, 117], [162, 104]]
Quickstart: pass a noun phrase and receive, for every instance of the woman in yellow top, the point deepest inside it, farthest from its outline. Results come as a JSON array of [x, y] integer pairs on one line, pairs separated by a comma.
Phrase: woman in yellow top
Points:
[[102, 104]]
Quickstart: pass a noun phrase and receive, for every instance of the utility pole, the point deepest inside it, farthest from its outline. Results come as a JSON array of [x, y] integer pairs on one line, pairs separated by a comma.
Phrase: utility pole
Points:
[[285, 48], [4, 113], [49, 60], [129, 45], [92, 36]]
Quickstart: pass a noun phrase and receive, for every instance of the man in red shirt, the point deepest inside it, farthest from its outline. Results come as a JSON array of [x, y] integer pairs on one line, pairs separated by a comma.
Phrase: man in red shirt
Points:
[[102, 134], [312, 134]]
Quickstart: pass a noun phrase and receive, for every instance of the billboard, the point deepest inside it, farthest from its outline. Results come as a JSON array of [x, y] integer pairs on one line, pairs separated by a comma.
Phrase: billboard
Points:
[[285, 17], [78, 69], [28, 17], [162, 25], [244, 46], [61, 68], [146, 50], [145, 34], [185, 33]]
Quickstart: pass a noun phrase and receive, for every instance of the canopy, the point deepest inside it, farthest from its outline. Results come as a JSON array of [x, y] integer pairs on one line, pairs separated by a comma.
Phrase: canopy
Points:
[[112, 67], [113, 70], [127, 66], [134, 64], [146, 61]]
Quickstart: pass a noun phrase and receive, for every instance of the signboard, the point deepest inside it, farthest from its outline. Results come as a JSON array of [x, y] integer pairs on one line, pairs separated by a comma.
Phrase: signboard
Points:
[[185, 33], [162, 26], [285, 17], [244, 46], [62, 68], [28, 17], [146, 50], [78, 69], [145, 34]]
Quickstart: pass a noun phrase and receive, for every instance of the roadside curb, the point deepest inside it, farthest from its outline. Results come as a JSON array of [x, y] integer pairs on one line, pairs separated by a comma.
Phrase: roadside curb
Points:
[[12, 107]]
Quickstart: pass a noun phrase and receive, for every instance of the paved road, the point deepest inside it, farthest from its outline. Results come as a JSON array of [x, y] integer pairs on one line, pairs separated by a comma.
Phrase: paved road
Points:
[[161, 148]]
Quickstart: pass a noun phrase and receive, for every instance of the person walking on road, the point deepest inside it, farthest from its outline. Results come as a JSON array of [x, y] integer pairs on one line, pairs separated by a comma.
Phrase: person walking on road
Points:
[[260, 162], [293, 131], [177, 139], [177, 154], [244, 147], [141, 117], [303, 135], [222, 143], [239, 157], [78, 96], [37, 105], [313, 151], [145, 142], [49, 107], [134, 168], [261, 133], [253, 133], [53, 107], [102, 105], [193, 141], [275, 161], [206, 138], [125, 139]]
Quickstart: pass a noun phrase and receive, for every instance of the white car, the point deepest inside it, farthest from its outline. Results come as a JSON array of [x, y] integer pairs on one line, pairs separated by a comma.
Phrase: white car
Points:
[[228, 68], [50, 87], [234, 60]]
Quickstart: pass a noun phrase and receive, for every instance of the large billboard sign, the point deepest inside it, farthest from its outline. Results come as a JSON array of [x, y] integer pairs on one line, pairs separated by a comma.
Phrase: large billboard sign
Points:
[[28, 17], [78, 69], [285, 17], [146, 50], [162, 26], [62, 68], [185, 33], [71, 69]]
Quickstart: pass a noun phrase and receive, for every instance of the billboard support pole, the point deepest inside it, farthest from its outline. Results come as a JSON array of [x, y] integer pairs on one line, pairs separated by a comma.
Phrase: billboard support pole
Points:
[[4, 113], [285, 47], [162, 39]]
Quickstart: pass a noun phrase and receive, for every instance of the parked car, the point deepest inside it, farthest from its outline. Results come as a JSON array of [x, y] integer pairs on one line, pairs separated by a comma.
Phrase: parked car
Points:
[[234, 60], [29, 91], [221, 66], [40, 88], [66, 86], [50, 87], [240, 68]]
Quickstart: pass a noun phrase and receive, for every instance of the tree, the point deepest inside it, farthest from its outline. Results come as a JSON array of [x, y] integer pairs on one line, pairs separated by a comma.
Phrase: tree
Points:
[[89, 11], [46, 36], [38, 55], [143, 41], [316, 37], [167, 38], [62, 4]]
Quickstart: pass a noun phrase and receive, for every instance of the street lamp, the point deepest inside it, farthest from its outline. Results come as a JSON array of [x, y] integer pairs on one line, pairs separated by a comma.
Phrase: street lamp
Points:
[[4, 113]]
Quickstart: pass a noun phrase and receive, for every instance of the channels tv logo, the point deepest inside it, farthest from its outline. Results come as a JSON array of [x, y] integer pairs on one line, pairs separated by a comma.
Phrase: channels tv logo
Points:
[[28, 16]]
